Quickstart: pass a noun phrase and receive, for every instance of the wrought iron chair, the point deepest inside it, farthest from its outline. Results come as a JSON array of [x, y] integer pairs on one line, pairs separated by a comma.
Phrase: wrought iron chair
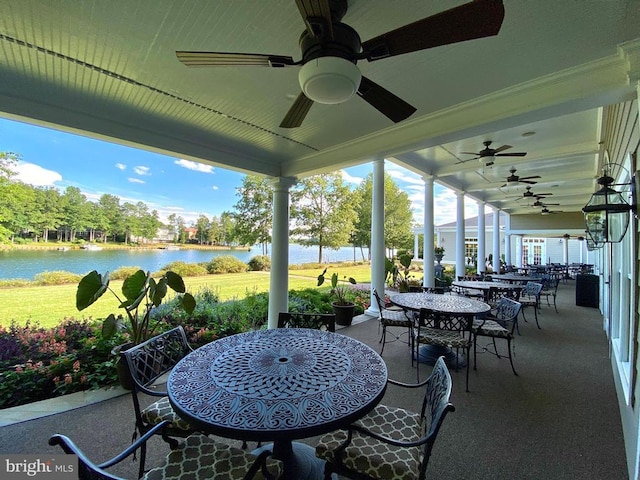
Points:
[[390, 442], [500, 323], [316, 321], [146, 363], [530, 297], [392, 318], [495, 294], [197, 457], [446, 331], [550, 289]]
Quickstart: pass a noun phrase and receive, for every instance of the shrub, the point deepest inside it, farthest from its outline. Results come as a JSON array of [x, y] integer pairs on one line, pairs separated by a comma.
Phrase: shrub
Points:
[[57, 278], [260, 263], [310, 300], [15, 282], [186, 269], [226, 264], [122, 273]]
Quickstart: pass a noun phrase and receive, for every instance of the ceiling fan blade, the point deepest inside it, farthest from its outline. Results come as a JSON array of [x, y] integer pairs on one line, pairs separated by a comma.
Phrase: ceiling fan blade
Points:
[[384, 101], [530, 177], [223, 59], [530, 182], [477, 19], [298, 111], [317, 17], [514, 154], [470, 153], [502, 148]]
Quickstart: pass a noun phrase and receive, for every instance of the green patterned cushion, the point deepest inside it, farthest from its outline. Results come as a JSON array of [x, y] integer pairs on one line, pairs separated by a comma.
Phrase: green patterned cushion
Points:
[[395, 318], [372, 457], [442, 338], [162, 410], [491, 328], [199, 457]]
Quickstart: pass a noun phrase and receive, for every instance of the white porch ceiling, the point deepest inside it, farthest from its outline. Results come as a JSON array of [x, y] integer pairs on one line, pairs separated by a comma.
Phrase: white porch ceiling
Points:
[[108, 69]]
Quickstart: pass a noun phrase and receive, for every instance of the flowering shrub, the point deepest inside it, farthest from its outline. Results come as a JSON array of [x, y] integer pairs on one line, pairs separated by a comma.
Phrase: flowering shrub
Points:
[[38, 363]]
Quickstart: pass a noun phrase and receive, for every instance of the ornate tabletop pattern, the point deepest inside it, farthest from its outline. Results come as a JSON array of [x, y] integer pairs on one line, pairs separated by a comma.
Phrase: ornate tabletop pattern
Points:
[[440, 303], [480, 285], [285, 381]]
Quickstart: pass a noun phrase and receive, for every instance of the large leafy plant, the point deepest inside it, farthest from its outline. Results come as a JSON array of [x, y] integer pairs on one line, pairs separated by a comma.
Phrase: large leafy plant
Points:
[[339, 290], [140, 295]]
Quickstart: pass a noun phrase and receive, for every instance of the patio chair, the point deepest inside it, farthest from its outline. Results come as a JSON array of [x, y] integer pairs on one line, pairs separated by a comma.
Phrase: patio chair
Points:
[[495, 294], [392, 318], [550, 289], [500, 323], [530, 297], [443, 331], [390, 442], [146, 363], [316, 321], [197, 457]]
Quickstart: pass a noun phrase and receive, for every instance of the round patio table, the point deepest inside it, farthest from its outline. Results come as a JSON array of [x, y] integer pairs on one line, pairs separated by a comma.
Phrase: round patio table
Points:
[[278, 385], [440, 303]]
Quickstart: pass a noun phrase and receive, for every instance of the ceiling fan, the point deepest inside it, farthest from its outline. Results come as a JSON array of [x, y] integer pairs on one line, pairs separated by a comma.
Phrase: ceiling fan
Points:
[[546, 211], [529, 194], [487, 155], [331, 50], [539, 204], [515, 179]]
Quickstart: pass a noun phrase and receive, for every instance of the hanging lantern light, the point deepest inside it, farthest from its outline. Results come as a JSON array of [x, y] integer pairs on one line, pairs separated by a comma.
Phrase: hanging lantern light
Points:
[[606, 215]]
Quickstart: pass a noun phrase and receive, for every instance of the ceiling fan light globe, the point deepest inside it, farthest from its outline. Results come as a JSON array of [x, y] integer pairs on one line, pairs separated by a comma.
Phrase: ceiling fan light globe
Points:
[[329, 80]]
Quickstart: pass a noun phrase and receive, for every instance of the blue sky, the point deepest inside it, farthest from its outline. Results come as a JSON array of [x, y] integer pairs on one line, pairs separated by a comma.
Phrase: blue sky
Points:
[[166, 184]]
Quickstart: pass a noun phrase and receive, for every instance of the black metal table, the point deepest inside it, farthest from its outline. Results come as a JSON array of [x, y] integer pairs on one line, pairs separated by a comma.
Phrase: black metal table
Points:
[[278, 385]]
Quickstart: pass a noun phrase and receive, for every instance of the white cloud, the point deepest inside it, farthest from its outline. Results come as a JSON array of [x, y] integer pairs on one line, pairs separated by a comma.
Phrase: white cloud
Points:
[[33, 174], [215, 187], [135, 180], [196, 166], [350, 178], [121, 166], [402, 175], [140, 170]]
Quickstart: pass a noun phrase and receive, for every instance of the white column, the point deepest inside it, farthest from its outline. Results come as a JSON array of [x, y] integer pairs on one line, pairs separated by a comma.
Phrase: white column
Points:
[[279, 276], [460, 259], [519, 251], [496, 241], [565, 252], [416, 246], [507, 239], [482, 238], [428, 243], [377, 235]]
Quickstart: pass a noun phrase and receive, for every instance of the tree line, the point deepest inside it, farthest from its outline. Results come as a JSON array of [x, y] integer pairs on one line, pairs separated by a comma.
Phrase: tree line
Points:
[[324, 212]]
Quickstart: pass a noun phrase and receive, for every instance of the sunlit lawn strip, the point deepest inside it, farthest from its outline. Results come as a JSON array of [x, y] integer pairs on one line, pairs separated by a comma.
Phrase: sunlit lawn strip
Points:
[[50, 304]]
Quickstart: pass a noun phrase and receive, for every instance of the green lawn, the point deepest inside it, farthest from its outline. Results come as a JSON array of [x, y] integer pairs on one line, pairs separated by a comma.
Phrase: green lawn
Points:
[[48, 305]]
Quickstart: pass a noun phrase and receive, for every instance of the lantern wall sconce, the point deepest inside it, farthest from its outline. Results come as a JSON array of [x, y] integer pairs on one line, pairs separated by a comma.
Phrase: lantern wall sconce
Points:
[[607, 213]]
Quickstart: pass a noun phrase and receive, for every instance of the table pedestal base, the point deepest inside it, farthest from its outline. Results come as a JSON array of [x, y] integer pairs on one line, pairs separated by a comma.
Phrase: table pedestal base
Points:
[[428, 354], [300, 462]]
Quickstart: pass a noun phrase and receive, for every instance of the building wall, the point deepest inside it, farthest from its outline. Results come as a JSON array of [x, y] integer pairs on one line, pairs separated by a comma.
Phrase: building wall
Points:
[[621, 137]]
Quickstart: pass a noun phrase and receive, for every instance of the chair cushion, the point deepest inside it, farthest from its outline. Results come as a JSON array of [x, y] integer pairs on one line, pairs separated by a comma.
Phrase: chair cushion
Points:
[[395, 318], [161, 410], [373, 457], [443, 338], [200, 457], [491, 328]]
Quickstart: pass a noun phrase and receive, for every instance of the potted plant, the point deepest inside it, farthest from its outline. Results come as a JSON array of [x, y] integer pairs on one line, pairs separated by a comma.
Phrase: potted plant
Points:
[[343, 307], [438, 253], [400, 278], [140, 295]]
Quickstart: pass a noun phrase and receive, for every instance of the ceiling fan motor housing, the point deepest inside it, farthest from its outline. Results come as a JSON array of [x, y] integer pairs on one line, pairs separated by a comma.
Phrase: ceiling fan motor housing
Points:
[[330, 74]]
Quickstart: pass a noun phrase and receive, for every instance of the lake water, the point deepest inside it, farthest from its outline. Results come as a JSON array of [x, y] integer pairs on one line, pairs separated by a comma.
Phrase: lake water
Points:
[[26, 264]]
